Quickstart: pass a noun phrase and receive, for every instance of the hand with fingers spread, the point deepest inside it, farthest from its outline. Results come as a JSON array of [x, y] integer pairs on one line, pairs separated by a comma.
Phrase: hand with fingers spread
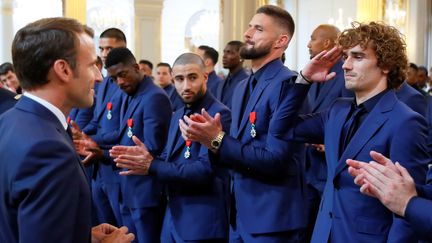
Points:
[[317, 69], [88, 148], [136, 159], [390, 183], [201, 127]]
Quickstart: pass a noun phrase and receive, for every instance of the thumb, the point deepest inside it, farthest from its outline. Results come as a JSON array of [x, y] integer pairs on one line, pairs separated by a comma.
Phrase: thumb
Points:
[[217, 119], [206, 115], [404, 172], [138, 142]]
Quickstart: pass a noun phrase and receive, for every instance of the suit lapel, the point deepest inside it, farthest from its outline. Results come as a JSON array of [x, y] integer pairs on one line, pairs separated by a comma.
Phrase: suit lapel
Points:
[[134, 102], [373, 122], [256, 94], [173, 143], [236, 107]]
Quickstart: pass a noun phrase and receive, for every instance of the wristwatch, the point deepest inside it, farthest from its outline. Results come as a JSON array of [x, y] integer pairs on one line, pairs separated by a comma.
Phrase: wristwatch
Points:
[[217, 141]]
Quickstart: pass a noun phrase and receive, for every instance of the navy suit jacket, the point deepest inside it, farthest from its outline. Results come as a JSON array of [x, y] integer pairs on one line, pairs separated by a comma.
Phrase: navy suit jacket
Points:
[[7, 100], [412, 98], [392, 129], [418, 212], [213, 82], [319, 99], [44, 193], [226, 98], [176, 100], [267, 175], [151, 112], [198, 192], [81, 116]]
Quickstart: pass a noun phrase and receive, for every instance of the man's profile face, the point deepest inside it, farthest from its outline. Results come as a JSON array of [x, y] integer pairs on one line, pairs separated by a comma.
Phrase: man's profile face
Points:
[[422, 78], [190, 82], [259, 37], [126, 76], [81, 92], [316, 43]]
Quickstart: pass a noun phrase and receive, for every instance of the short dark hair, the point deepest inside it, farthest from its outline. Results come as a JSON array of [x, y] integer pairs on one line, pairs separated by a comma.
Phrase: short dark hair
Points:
[[38, 45], [119, 55], [6, 67], [164, 64], [236, 43], [113, 33], [413, 66], [424, 69], [210, 52], [282, 18], [146, 62]]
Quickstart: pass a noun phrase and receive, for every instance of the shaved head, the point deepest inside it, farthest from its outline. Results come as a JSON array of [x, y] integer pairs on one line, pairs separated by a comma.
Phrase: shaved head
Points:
[[329, 32], [190, 58]]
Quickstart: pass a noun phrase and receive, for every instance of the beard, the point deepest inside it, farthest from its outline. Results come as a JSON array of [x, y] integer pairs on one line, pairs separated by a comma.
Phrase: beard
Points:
[[254, 52]]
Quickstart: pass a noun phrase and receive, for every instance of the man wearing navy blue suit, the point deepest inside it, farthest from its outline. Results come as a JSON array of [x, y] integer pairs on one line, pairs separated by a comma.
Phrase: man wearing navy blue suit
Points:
[[231, 60], [106, 118], [375, 62], [145, 113], [267, 178], [163, 79], [44, 193], [395, 188], [210, 57], [7, 100], [197, 192], [319, 98]]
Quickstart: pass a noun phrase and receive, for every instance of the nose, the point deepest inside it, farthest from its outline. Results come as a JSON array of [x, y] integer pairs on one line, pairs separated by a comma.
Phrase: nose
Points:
[[309, 45], [347, 65], [98, 76], [248, 33]]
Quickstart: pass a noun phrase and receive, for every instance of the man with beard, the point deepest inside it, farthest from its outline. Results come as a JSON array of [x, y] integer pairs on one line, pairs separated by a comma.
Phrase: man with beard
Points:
[[234, 63], [267, 192], [197, 192]]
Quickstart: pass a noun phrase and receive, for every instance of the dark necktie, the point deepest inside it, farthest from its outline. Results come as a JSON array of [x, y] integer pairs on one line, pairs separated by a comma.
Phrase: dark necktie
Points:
[[251, 85], [350, 127], [225, 86]]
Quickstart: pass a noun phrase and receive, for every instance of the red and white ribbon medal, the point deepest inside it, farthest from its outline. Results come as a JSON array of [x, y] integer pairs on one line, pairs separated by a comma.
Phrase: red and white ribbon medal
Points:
[[130, 124], [187, 152], [252, 119], [109, 108]]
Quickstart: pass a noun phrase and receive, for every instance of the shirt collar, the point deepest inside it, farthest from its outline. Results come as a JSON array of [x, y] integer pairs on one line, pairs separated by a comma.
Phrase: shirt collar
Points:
[[371, 102], [60, 116]]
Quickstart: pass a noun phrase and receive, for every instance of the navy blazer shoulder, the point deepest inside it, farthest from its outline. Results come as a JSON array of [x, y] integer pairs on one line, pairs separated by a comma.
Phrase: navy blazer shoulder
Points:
[[412, 98], [7, 100], [42, 183]]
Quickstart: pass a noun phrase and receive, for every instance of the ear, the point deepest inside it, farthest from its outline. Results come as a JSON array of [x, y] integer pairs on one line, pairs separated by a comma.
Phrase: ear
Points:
[[62, 70], [327, 43], [136, 67], [205, 77], [282, 41], [207, 62]]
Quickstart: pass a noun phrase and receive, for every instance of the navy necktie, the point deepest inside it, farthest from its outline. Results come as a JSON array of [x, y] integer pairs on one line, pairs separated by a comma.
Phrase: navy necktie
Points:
[[251, 85], [350, 127]]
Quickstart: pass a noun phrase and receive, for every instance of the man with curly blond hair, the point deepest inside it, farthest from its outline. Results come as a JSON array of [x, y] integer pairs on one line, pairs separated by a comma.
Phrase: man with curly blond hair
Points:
[[375, 63]]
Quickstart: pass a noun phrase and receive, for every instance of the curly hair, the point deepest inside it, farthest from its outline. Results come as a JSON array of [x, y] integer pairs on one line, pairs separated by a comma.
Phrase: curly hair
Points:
[[388, 44]]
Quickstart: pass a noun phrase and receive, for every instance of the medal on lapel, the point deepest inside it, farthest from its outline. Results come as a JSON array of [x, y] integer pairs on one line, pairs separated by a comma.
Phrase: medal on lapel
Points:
[[130, 124], [109, 108], [68, 120], [187, 152], [252, 118]]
